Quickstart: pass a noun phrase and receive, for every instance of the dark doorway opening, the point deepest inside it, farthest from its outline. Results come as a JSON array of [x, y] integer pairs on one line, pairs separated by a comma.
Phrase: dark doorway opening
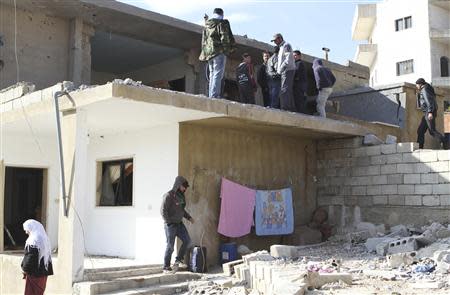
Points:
[[445, 66], [230, 90], [24, 188], [178, 85]]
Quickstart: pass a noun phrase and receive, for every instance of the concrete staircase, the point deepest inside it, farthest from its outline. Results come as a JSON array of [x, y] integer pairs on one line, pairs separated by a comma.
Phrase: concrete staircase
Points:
[[143, 279]]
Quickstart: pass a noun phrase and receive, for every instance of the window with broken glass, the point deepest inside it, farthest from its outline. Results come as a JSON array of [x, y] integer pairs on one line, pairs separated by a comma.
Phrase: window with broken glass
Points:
[[116, 185]]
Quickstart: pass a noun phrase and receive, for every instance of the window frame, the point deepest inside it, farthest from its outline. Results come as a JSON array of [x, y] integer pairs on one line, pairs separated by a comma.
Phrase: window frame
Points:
[[401, 24], [399, 67], [99, 179]]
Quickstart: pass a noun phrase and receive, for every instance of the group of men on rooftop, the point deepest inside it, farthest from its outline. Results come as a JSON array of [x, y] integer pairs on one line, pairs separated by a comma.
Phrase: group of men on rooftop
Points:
[[282, 76]]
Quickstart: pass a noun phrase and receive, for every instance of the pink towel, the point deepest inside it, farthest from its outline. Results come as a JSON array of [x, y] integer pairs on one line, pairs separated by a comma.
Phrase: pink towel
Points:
[[236, 209]]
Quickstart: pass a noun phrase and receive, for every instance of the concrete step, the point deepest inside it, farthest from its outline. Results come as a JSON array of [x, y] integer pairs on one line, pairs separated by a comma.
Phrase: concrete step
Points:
[[128, 283], [115, 268], [114, 273], [167, 289]]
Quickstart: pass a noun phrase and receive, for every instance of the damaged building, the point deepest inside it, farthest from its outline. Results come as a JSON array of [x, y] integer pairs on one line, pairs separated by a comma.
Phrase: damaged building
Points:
[[96, 183]]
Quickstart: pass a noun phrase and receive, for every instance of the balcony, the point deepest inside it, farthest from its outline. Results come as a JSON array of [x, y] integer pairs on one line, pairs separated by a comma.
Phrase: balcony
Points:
[[365, 54], [364, 21], [443, 82]]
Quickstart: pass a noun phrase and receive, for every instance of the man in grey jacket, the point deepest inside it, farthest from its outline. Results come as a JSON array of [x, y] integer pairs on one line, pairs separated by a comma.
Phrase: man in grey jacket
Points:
[[173, 211], [285, 68]]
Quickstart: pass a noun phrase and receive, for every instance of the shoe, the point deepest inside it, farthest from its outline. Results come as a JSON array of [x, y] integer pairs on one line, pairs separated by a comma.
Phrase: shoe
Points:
[[167, 269], [180, 264]]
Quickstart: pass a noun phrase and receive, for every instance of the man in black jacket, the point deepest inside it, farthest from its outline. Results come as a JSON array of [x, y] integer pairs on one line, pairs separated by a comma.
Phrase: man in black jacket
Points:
[[263, 79], [299, 83], [427, 101], [173, 211], [246, 80]]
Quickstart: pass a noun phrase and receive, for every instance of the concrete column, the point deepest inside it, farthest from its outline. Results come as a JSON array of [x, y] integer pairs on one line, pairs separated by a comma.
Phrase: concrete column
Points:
[[80, 52], [70, 237]]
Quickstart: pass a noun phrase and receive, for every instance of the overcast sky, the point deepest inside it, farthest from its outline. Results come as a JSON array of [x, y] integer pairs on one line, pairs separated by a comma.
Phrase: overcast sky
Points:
[[307, 25]]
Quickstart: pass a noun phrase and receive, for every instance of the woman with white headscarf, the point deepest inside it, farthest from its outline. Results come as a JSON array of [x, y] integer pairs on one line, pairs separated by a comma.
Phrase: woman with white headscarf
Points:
[[37, 261]]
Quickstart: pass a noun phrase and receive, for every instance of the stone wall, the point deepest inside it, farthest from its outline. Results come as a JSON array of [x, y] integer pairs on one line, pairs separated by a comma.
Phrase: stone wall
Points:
[[387, 183]]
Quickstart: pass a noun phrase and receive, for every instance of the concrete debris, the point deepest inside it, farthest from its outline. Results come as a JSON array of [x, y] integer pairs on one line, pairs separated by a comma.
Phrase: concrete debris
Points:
[[371, 139], [318, 280], [243, 250], [128, 81], [401, 259], [391, 139]]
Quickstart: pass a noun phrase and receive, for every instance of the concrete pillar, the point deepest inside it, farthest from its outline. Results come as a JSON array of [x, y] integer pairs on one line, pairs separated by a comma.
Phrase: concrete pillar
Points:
[[80, 52], [70, 237]]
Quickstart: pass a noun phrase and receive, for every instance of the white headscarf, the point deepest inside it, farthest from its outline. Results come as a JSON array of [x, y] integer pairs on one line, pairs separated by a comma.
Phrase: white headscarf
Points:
[[38, 238]]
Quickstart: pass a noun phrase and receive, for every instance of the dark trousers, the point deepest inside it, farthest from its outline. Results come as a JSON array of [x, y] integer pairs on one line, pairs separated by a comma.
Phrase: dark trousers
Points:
[[266, 96], [287, 91], [429, 125], [299, 99], [274, 88], [174, 230], [246, 94]]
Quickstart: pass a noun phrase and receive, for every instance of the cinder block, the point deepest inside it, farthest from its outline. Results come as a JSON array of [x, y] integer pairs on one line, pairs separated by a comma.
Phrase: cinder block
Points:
[[337, 200], [345, 190], [389, 189], [407, 147], [279, 251], [429, 178], [441, 189], [405, 168], [396, 200], [395, 178], [402, 245], [399, 259], [440, 166], [394, 158], [228, 268], [361, 180], [359, 191], [423, 189], [345, 171], [405, 189], [427, 156], [351, 200], [365, 201], [362, 161], [388, 149], [373, 150], [380, 200], [388, 169], [421, 168], [443, 155], [358, 237], [411, 178], [373, 190], [378, 179], [411, 157], [413, 200], [378, 160], [444, 177], [359, 152], [445, 200], [431, 200]]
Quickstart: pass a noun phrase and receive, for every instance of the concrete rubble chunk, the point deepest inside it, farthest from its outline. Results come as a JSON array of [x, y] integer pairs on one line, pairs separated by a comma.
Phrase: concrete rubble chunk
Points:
[[358, 237], [397, 260], [371, 139], [427, 285], [402, 245], [318, 280], [372, 243], [391, 139], [228, 268]]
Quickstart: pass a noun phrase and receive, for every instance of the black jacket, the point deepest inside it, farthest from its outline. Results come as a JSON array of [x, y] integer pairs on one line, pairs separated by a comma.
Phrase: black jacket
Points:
[[172, 208], [427, 99], [300, 75], [261, 77], [30, 264]]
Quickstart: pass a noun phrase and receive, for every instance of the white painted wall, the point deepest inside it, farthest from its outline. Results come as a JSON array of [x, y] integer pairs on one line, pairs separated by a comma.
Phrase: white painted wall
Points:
[[137, 231], [21, 150], [413, 43]]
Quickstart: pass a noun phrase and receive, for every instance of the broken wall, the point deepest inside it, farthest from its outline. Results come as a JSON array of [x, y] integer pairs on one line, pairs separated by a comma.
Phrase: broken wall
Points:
[[395, 105], [391, 184], [257, 160], [42, 48]]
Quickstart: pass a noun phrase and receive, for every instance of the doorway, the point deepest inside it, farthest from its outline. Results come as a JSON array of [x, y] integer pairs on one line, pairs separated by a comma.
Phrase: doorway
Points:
[[23, 199]]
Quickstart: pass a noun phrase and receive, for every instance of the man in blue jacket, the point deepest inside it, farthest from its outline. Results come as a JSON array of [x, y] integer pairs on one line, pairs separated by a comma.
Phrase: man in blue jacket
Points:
[[426, 99], [324, 83]]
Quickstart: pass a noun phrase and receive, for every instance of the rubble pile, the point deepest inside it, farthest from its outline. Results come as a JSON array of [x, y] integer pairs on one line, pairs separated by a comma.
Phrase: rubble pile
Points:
[[364, 260]]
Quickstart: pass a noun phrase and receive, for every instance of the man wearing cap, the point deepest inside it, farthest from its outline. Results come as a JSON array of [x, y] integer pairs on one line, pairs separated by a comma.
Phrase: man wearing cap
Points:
[[217, 43], [245, 79], [426, 99], [173, 211], [286, 69]]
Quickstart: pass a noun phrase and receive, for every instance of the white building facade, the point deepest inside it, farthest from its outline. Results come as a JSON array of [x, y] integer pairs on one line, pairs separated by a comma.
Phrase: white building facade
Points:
[[404, 40]]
